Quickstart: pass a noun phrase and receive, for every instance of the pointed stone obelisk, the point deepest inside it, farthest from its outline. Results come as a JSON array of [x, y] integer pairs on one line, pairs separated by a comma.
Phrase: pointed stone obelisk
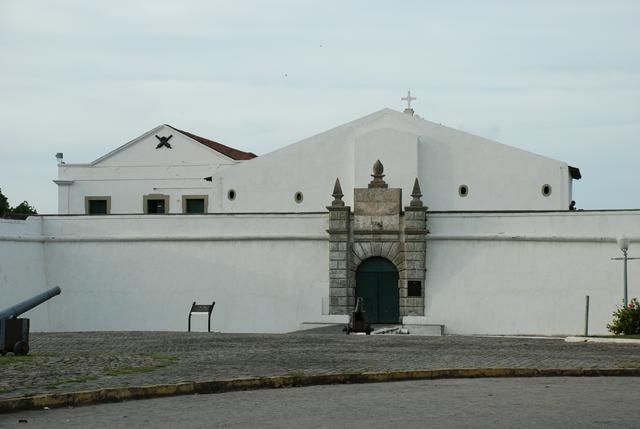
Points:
[[337, 195], [416, 194], [340, 299]]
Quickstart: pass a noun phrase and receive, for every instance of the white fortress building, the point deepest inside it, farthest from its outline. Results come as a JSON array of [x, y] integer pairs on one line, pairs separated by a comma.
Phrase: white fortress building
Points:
[[435, 228], [191, 174]]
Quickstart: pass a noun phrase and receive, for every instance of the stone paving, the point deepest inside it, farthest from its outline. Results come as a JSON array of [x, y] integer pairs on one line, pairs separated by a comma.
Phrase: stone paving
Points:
[[68, 362]]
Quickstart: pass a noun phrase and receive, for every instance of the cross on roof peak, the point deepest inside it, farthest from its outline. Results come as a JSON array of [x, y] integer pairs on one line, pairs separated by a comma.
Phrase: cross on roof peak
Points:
[[408, 99]]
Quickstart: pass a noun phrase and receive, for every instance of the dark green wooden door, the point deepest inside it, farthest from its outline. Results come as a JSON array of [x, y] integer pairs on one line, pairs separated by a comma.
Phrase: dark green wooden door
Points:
[[377, 284]]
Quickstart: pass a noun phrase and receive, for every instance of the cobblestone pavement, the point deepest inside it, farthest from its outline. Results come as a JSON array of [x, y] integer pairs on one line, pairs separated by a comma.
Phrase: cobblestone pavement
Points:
[[600, 402], [67, 362]]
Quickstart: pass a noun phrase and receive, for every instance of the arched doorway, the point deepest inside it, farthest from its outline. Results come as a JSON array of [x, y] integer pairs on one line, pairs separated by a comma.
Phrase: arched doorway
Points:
[[377, 284]]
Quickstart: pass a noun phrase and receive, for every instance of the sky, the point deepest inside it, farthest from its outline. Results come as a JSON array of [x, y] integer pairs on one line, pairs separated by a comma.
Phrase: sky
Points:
[[558, 78]]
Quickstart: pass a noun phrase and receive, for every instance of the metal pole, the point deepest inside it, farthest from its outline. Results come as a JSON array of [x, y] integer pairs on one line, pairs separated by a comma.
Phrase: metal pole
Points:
[[625, 277], [586, 318]]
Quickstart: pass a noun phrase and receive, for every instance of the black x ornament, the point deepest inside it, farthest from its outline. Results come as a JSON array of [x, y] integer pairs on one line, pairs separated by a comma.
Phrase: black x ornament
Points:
[[164, 141]]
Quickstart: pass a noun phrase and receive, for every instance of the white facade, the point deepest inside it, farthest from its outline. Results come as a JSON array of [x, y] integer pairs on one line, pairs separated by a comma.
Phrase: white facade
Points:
[[489, 273], [502, 258], [496, 176], [141, 168]]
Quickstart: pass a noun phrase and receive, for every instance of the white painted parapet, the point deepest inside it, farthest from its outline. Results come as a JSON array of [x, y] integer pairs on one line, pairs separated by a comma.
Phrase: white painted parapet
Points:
[[487, 273]]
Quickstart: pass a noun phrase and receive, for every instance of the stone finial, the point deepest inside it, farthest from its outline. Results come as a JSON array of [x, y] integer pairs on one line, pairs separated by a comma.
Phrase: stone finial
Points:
[[337, 195], [416, 194], [377, 175]]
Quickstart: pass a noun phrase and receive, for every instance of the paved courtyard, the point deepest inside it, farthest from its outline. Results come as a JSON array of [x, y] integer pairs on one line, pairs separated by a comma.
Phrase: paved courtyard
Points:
[[67, 362]]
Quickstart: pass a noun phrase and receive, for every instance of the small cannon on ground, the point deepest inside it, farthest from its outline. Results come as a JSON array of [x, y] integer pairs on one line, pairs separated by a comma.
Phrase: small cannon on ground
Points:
[[14, 331], [358, 319]]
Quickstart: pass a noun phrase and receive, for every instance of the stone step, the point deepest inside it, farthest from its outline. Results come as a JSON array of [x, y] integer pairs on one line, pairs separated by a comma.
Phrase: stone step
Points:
[[430, 330], [420, 325]]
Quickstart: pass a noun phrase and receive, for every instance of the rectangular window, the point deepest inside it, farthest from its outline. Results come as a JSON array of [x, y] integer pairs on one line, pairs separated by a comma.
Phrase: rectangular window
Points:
[[97, 205], [414, 288], [156, 204], [195, 203]]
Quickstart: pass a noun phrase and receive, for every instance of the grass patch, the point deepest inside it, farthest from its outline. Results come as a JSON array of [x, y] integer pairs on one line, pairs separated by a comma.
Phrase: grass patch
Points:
[[161, 360], [133, 370], [160, 356], [12, 359], [629, 364], [76, 379]]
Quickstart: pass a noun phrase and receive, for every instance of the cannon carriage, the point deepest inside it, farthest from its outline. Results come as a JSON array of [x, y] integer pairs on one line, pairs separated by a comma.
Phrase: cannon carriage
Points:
[[14, 330], [358, 319]]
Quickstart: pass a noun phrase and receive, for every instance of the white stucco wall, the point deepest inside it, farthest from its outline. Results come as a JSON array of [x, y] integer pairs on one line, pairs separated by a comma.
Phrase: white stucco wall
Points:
[[498, 177], [143, 272], [22, 268], [527, 273], [138, 168], [487, 273]]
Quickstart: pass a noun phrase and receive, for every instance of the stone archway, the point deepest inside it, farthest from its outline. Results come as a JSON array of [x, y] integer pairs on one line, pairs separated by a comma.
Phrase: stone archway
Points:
[[377, 227], [377, 285]]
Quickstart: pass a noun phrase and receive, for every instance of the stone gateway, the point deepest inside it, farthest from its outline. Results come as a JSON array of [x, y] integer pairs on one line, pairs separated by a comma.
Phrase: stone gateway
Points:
[[377, 250]]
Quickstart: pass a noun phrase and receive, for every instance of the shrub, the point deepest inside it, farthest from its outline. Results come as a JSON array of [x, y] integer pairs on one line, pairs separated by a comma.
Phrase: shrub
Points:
[[626, 320]]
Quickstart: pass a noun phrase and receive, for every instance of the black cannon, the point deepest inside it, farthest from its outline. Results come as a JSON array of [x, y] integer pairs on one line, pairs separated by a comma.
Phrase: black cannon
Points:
[[358, 319], [14, 331]]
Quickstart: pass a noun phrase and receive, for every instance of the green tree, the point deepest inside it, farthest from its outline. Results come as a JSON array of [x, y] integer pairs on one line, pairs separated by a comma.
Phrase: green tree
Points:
[[24, 208], [4, 204]]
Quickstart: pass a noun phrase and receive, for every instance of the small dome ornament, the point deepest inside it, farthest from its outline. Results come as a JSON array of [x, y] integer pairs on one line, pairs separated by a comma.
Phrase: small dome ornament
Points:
[[337, 195], [416, 194], [377, 175]]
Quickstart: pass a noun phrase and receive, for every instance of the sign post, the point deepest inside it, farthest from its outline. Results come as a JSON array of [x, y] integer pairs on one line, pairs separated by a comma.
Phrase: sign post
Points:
[[201, 309]]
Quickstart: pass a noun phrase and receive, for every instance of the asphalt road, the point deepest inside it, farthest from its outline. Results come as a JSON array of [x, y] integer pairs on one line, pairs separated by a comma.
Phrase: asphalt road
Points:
[[601, 402]]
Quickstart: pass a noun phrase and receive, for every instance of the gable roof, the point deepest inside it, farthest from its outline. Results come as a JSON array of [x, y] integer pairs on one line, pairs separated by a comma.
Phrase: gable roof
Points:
[[218, 147], [227, 151]]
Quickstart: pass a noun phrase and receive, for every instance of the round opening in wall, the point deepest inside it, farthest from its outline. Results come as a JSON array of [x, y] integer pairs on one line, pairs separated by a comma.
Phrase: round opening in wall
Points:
[[463, 190], [231, 194], [546, 190], [298, 197]]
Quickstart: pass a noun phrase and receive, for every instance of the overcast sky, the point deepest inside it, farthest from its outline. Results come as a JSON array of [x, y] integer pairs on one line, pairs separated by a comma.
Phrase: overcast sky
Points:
[[561, 79]]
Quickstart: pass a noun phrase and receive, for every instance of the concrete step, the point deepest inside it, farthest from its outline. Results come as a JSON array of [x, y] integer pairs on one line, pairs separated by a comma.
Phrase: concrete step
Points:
[[428, 330], [420, 325], [425, 330]]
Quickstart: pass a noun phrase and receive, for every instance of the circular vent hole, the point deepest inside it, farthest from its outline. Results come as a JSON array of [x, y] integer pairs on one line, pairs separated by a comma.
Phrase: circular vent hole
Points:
[[231, 194], [298, 197], [463, 190]]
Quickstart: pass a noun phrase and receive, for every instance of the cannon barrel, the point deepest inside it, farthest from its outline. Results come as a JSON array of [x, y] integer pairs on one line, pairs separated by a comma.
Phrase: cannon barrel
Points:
[[24, 306]]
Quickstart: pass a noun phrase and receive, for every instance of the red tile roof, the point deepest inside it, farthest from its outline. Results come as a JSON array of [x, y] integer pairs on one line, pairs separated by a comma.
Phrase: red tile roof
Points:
[[219, 147]]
